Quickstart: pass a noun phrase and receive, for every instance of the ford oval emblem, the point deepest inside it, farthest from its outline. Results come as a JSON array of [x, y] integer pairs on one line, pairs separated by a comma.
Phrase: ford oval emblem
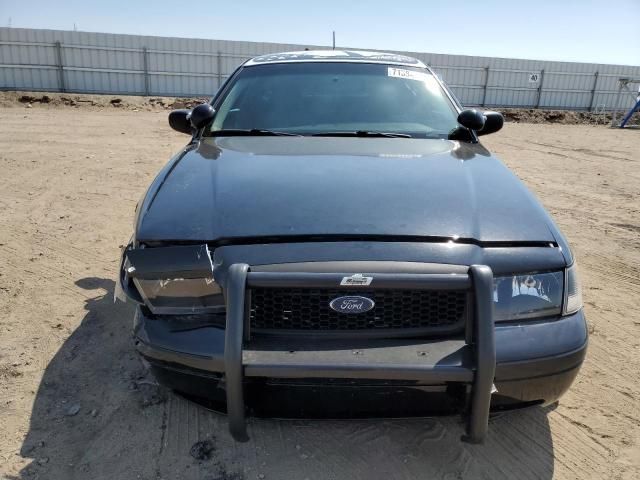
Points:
[[352, 304]]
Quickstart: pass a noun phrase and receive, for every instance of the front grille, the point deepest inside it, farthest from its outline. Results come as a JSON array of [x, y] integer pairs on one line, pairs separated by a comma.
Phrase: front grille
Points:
[[308, 309]]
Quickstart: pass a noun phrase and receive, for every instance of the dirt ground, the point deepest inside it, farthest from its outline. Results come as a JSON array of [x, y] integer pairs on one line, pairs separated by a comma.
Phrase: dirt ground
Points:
[[136, 103], [75, 402]]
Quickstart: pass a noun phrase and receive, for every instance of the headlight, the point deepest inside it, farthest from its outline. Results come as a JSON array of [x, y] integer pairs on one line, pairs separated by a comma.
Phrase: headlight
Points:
[[181, 295], [573, 299], [518, 297], [174, 280]]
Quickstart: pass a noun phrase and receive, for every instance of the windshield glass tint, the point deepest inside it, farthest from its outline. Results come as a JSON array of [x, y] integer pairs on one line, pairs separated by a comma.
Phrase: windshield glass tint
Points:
[[312, 98]]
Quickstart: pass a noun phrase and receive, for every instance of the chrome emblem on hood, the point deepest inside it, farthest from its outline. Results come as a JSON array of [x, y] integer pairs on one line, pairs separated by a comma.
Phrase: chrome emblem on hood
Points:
[[352, 304], [356, 279]]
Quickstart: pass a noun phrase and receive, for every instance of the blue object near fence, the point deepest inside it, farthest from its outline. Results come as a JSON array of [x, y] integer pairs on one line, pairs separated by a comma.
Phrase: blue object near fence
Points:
[[627, 117]]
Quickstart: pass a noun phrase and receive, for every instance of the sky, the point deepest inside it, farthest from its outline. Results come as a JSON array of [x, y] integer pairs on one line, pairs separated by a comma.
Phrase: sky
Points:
[[593, 31]]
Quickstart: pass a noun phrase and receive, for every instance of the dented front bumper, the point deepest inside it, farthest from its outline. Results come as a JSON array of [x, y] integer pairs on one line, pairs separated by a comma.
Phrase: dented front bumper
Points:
[[535, 362]]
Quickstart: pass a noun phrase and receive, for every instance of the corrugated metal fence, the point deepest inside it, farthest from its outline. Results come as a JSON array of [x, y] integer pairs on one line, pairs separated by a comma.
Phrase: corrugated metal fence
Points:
[[51, 60]]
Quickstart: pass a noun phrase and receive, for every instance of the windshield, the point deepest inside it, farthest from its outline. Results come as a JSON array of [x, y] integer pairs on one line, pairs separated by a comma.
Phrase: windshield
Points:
[[320, 98]]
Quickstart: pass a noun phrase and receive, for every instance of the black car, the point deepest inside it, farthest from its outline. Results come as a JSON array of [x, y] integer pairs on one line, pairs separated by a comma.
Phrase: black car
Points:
[[334, 241]]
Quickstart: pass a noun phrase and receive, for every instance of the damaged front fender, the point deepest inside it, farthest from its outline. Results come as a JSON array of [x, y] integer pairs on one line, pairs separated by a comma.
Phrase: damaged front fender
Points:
[[124, 289]]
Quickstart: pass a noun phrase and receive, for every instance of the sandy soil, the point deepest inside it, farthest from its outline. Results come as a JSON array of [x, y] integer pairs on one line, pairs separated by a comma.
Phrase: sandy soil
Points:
[[136, 103], [75, 402]]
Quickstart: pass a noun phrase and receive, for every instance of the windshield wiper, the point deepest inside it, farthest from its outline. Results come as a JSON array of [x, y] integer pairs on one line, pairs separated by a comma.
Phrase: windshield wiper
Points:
[[362, 133], [251, 132]]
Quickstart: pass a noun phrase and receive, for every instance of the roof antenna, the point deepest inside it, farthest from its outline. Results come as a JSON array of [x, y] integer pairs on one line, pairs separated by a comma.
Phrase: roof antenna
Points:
[[334, 39]]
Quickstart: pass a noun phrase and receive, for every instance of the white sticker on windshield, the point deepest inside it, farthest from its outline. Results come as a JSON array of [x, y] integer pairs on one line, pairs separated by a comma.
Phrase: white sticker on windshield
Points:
[[409, 74]]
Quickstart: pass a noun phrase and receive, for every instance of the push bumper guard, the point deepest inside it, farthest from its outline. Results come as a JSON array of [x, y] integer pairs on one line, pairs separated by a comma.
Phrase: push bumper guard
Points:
[[479, 373]]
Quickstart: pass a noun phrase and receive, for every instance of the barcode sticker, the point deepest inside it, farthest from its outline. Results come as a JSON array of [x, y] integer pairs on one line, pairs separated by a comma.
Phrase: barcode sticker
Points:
[[408, 74]]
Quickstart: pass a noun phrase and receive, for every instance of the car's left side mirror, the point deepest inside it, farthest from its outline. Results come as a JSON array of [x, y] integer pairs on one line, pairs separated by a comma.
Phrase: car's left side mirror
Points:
[[481, 122], [493, 121]]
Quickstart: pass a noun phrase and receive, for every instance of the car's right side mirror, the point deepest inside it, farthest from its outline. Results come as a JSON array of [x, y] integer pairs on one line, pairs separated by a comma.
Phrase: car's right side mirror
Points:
[[179, 121], [190, 121], [201, 115], [493, 121]]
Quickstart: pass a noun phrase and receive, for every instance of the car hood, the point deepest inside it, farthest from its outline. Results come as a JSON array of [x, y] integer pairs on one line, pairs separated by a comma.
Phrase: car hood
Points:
[[258, 188]]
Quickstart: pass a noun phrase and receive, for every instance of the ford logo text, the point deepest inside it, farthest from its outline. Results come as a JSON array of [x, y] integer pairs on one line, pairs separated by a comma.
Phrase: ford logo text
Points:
[[352, 304]]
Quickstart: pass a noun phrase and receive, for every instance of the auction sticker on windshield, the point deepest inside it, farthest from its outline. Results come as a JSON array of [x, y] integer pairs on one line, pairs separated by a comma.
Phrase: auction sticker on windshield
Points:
[[408, 74]]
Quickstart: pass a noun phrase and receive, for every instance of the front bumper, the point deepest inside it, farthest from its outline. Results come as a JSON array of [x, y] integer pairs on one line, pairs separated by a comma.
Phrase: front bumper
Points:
[[529, 363], [535, 364]]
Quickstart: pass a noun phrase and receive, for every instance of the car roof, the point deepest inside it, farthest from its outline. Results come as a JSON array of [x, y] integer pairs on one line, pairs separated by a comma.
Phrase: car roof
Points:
[[354, 56]]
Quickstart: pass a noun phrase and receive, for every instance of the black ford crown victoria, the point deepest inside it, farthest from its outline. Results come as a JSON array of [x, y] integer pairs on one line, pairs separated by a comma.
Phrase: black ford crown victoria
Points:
[[334, 241]]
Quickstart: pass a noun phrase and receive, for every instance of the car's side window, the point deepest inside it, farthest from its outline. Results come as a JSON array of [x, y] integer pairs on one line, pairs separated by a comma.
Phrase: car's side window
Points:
[[228, 109]]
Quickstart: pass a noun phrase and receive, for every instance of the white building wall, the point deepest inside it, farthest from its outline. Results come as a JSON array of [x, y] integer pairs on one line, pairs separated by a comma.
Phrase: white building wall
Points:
[[51, 60]]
